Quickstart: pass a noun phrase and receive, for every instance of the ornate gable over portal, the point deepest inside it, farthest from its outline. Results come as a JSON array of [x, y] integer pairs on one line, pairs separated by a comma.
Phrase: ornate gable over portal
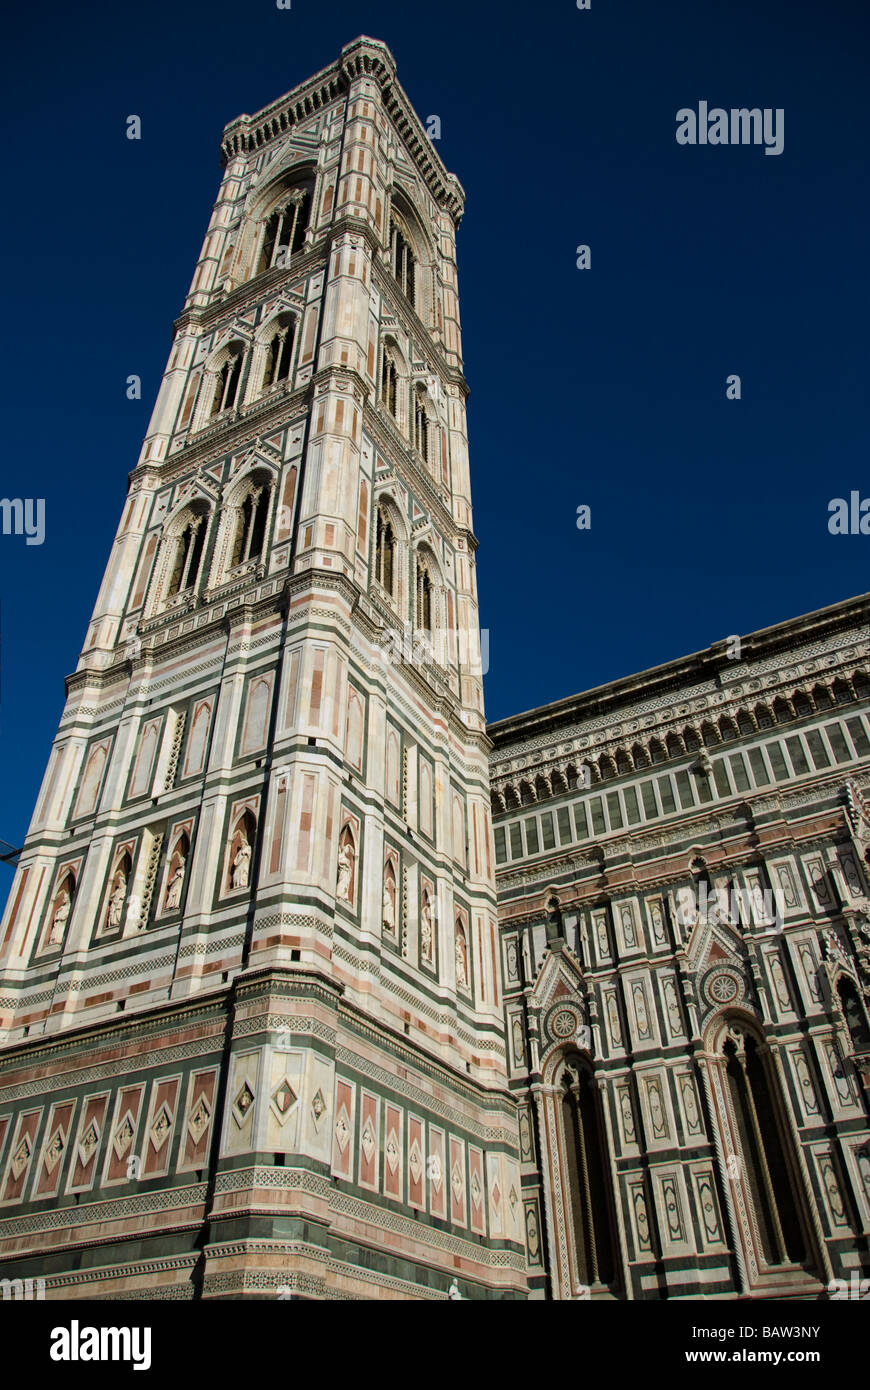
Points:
[[559, 1002]]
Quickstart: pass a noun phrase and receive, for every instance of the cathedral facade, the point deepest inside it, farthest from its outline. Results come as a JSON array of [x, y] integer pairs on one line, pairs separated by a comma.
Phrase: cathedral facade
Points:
[[313, 987], [683, 861]]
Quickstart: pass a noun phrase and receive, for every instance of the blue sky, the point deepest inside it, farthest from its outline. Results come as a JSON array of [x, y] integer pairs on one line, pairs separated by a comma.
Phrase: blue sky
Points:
[[603, 387]]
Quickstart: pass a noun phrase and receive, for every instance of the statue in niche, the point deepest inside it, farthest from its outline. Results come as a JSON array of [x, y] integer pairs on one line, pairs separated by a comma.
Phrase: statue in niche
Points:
[[389, 911], [461, 957], [426, 927], [346, 861], [174, 886], [59, 920], [241, 870], [117, 899]]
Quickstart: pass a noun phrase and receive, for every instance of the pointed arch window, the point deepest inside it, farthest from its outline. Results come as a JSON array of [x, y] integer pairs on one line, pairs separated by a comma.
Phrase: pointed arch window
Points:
[[389, 385], [421, 427], [588, 1186], [285, 230], [250, 536], [769, 1184], [280, 355], [188, 556], [227, 388], [385, 553], [424, 598], [402, 261]]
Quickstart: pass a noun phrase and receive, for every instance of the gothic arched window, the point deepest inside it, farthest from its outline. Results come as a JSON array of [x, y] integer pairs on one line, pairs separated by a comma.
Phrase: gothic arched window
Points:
[[227, 386], [389, 385], [280, 355], [588, 1185], [285, 230], [402, 261], [188, 555], [763, 1145], [385, 552], [250, 533], [424, 598], [421, 427]]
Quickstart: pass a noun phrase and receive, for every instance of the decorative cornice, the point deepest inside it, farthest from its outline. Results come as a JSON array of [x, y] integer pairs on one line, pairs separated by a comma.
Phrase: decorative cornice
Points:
[[364, 57], [701, 675]]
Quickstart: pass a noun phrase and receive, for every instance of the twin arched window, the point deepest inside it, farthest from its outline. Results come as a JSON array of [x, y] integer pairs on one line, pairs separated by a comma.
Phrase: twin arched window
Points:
[[242, 537], [279, 360]]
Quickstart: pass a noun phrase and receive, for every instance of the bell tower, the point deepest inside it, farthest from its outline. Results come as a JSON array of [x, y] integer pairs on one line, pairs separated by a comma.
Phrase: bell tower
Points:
[[250, 950]]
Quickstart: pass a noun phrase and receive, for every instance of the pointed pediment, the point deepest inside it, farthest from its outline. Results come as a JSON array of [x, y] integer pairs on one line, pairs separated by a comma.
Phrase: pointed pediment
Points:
[[296, 149], [712, 942], [560, 977], [200, 488], [286, 302], [238, 331], [262, 452]]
